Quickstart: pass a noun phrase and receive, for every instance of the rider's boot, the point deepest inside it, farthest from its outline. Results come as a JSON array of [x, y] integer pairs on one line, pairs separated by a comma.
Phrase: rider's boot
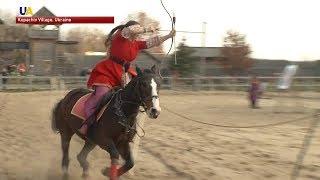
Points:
[[86, 125]]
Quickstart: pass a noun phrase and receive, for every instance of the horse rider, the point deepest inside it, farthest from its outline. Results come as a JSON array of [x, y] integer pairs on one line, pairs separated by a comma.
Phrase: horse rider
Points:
[[123, 47]]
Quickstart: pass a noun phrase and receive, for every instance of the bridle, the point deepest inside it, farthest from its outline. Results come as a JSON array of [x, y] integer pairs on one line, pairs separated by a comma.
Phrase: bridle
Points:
[[141, 102], [141, 99]]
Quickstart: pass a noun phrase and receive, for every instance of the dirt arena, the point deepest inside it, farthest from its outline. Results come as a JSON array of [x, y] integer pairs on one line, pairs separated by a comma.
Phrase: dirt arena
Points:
[[173, 148]]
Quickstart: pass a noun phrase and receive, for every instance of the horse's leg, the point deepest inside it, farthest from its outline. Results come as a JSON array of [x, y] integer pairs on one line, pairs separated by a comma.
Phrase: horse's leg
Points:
[[65, 141], [82, 157], [111, 148], [127, 155]]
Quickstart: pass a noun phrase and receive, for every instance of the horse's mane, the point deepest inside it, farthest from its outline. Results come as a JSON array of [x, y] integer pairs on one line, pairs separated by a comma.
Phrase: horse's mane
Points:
[[107, 97]]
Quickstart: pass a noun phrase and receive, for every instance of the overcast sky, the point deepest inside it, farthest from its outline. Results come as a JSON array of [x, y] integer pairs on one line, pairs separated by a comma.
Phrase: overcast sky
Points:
[[276, 29]]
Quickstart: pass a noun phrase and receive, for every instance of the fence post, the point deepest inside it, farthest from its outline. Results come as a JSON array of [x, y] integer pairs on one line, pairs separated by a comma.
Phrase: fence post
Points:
[[212, 84], [53, 83], [172, 82], [1, 82], [30, 78], [62, 85], [196, 83]]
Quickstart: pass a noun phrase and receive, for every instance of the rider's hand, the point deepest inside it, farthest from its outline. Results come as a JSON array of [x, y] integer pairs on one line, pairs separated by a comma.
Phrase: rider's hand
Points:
[[172, 33]]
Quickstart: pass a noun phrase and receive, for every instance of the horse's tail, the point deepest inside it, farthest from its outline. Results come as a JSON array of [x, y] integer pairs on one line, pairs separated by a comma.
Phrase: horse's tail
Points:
[[56, 114]]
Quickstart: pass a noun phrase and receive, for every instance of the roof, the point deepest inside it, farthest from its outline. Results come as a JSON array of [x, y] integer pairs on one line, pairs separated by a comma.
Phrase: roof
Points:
[[207, 51], [13, 45], [67, 42], [43, 12]]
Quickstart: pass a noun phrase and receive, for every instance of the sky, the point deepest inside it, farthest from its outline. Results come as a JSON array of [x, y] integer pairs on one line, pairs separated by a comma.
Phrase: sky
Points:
[[275, 29]]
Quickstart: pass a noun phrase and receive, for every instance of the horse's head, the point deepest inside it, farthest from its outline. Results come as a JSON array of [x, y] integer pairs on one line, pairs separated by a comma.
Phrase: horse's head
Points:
[[147, 89]]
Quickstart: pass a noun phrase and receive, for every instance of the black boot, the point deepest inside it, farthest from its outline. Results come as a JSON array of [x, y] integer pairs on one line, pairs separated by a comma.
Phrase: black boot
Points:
[[87, 124]]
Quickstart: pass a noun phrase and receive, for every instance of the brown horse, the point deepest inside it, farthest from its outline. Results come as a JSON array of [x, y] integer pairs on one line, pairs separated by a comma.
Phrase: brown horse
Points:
[[115, 129]]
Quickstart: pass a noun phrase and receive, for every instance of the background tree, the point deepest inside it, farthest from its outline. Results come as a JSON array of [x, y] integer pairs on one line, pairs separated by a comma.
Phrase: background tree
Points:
[[7, 17], [186, 63], [317, 68], [237, 53], [90, 39], [10, 32], [147, 21]]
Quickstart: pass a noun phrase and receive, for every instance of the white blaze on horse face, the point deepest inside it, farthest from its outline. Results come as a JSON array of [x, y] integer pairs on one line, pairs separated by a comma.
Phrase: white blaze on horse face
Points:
[[154, 93]]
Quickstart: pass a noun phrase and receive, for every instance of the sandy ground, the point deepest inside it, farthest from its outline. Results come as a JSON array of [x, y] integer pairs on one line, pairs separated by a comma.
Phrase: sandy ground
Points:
[[173, 148]]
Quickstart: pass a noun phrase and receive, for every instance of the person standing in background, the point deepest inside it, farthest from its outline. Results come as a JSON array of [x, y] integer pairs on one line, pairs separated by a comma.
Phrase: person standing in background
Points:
[[254, 91]]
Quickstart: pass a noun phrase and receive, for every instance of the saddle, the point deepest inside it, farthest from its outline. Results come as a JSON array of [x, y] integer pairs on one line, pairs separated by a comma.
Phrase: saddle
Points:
[[78, 109]]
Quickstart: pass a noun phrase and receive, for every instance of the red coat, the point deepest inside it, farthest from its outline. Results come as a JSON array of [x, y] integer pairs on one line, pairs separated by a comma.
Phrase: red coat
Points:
[[107, 72]]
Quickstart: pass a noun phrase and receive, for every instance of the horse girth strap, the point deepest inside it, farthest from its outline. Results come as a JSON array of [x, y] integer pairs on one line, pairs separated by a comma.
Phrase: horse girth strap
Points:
[[123, 63], [119, 112]]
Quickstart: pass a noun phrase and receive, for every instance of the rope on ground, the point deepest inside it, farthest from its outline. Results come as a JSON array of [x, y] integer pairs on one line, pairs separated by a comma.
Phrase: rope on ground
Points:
[[229, 126], [305, 146]]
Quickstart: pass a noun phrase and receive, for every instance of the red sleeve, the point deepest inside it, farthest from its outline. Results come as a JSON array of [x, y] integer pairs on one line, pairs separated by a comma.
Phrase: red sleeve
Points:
[[142, 44]]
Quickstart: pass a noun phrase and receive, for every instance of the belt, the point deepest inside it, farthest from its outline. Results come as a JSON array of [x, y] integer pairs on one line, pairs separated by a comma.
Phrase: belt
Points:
[[124, 64]]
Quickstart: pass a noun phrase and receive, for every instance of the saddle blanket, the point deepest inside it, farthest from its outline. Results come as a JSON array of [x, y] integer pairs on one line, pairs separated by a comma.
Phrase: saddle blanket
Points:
[[79, 108]]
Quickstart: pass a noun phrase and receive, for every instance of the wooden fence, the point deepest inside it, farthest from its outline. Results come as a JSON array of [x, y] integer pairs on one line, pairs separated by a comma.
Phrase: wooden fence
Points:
[[29, 83]]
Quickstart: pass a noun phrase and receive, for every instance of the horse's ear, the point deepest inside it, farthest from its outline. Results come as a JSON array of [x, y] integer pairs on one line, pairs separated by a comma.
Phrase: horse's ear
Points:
[[139, 71], [154, 69]]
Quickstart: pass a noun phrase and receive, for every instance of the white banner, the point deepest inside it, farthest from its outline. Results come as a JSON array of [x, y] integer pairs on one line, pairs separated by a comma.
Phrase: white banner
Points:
[[286, 77]]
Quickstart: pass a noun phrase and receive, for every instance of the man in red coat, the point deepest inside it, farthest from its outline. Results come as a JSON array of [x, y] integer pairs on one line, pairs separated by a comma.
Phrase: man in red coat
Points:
[[123, 48]]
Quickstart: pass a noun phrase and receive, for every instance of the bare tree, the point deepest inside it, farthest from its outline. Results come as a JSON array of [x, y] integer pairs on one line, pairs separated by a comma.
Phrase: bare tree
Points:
[[10, 32], [89, 39], [237, 53], [7, 17], [93, 39]]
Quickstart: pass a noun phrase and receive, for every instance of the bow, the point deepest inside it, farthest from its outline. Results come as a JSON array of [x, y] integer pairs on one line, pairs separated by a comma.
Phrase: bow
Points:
[[173, 21]]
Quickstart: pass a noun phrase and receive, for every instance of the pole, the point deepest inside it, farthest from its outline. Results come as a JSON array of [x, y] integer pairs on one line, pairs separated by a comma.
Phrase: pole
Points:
[[204, 33], [174, 39]]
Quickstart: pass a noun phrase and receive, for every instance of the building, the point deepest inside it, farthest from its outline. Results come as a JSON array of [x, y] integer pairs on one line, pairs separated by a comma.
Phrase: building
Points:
[[44, 50], [209, 56], [13, 44]]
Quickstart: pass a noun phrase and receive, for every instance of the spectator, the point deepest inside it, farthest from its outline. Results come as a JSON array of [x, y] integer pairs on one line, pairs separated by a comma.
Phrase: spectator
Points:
[[254, 92]]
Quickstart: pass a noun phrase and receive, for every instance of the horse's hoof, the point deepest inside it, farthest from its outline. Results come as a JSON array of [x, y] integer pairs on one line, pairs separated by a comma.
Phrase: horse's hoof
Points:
[[105, 171]]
